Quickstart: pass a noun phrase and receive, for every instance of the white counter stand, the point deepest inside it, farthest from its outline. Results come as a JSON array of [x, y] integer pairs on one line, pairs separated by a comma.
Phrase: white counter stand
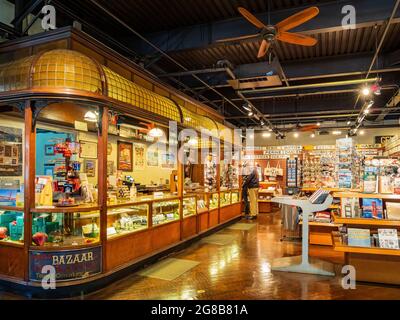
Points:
[[304, 264]]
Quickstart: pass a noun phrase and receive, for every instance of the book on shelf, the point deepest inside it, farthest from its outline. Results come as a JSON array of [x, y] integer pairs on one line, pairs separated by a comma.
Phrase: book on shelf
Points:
[[393, 210], [372, 208], [388, 238], [359, 237]]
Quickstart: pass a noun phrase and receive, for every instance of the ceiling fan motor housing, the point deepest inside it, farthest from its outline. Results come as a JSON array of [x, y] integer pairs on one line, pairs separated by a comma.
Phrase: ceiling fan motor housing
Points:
[[269, 33]]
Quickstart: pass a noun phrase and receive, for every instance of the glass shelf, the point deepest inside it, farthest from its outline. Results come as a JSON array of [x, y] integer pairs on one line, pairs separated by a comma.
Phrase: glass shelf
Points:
[[165, 212], [225, 199], [127, 220], [65, 229], [189, 207], [214, 201]]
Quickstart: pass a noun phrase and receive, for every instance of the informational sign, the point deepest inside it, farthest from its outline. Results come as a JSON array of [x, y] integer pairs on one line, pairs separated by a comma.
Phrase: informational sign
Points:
[[382, 139], [69, 265]]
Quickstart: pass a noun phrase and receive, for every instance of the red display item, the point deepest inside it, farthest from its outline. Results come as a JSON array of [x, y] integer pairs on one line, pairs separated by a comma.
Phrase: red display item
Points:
[[39, 238], [3, 233]]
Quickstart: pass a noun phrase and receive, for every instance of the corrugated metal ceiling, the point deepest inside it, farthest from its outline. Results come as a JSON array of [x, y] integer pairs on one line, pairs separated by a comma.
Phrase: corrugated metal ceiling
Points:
[[156, 15], [341, 42]]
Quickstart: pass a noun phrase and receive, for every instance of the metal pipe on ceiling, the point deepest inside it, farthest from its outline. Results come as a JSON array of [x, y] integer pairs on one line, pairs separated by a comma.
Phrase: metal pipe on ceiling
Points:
[[312, 86], [164, 53], [322, 76], [381, 42]]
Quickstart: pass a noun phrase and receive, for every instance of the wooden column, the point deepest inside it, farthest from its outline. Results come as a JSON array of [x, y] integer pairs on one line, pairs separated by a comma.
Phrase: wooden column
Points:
[[102, 179], [181, 181], [29, 181], [218, 177]]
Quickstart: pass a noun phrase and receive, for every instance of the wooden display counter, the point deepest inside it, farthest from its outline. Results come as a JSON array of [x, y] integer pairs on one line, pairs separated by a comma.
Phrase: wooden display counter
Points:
[[321, 233], [372, 264], [108, 249]]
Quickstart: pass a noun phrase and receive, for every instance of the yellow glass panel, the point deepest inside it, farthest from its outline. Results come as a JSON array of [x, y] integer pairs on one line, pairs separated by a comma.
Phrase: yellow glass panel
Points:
[[128, 92], [67, 69], [15, 75]]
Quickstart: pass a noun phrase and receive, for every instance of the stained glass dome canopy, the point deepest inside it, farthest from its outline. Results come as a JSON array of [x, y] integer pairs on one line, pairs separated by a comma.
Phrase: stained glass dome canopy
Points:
[[70, 72]]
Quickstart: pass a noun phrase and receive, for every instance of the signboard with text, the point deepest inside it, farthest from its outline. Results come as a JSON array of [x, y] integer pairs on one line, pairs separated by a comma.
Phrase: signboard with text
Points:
[[69, 265]]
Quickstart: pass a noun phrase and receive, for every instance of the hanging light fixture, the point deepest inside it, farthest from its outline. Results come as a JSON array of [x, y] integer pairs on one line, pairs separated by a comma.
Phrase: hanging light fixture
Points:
[[91, 116], [156, 133], [366, 91]]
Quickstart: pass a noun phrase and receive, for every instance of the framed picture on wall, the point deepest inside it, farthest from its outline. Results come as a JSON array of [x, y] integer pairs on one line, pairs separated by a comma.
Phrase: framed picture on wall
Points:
[[110, 168], [125, 156], [139, 157], [88, 149], [49, 150], [90, 167]]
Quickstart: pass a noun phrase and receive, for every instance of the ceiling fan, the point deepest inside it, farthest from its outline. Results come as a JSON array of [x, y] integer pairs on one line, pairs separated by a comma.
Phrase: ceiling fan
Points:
[[269, 33]]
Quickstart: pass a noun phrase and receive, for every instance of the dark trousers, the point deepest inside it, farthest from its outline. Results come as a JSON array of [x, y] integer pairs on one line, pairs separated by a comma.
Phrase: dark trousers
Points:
[[246, 201]]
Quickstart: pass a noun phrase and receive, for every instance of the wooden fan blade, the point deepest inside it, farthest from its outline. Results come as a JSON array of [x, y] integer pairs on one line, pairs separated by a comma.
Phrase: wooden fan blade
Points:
[[263, 49], [239, 38], [297, 19], [251, 18], [296, 38]]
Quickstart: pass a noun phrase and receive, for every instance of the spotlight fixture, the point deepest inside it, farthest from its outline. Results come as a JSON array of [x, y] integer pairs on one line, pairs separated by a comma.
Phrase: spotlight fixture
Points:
[[318, 124], [91, 116], [348, 122], [366, 91], [246, 107], [251, 113], [376, 89], [262, 123], [312, 135], [296, 134], [156, 133], [366, 111]]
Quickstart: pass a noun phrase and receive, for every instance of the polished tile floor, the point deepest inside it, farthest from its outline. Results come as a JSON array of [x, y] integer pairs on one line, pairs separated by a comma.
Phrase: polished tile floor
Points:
[[240, 268]]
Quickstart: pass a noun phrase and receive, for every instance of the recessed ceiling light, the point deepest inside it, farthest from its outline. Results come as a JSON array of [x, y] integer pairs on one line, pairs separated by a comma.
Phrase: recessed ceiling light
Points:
[[312, 135], [318, 124]]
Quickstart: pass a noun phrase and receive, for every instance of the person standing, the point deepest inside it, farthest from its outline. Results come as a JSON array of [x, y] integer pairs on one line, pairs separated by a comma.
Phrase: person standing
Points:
[[252, 184]]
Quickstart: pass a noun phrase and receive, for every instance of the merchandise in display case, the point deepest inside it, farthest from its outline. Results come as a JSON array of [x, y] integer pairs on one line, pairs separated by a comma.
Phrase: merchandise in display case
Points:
[[125, 220], [202, 203], [214, 201], [225, 199], [189, 206], [165, 211], [65, 229], [235, 197], [11, 226]]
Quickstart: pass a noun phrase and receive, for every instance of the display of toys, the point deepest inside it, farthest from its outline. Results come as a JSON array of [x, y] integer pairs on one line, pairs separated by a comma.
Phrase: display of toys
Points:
[[3, 233], [39, 238], [91, 230]]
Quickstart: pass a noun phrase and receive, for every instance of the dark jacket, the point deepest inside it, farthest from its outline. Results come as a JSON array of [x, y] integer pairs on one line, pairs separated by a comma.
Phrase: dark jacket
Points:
[[252, 180]]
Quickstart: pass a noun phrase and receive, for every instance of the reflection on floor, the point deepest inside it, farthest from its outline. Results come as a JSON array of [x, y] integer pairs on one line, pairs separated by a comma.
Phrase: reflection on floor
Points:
[[240, 269]]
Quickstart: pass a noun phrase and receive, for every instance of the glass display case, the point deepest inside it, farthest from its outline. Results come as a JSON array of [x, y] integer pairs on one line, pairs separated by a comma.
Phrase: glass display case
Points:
[[189, 206], [202, 203], [11, 226], [225, 199], [11, 162], [127, 219], [214, 201], [65, 229], [235, 197], [165, 211]]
